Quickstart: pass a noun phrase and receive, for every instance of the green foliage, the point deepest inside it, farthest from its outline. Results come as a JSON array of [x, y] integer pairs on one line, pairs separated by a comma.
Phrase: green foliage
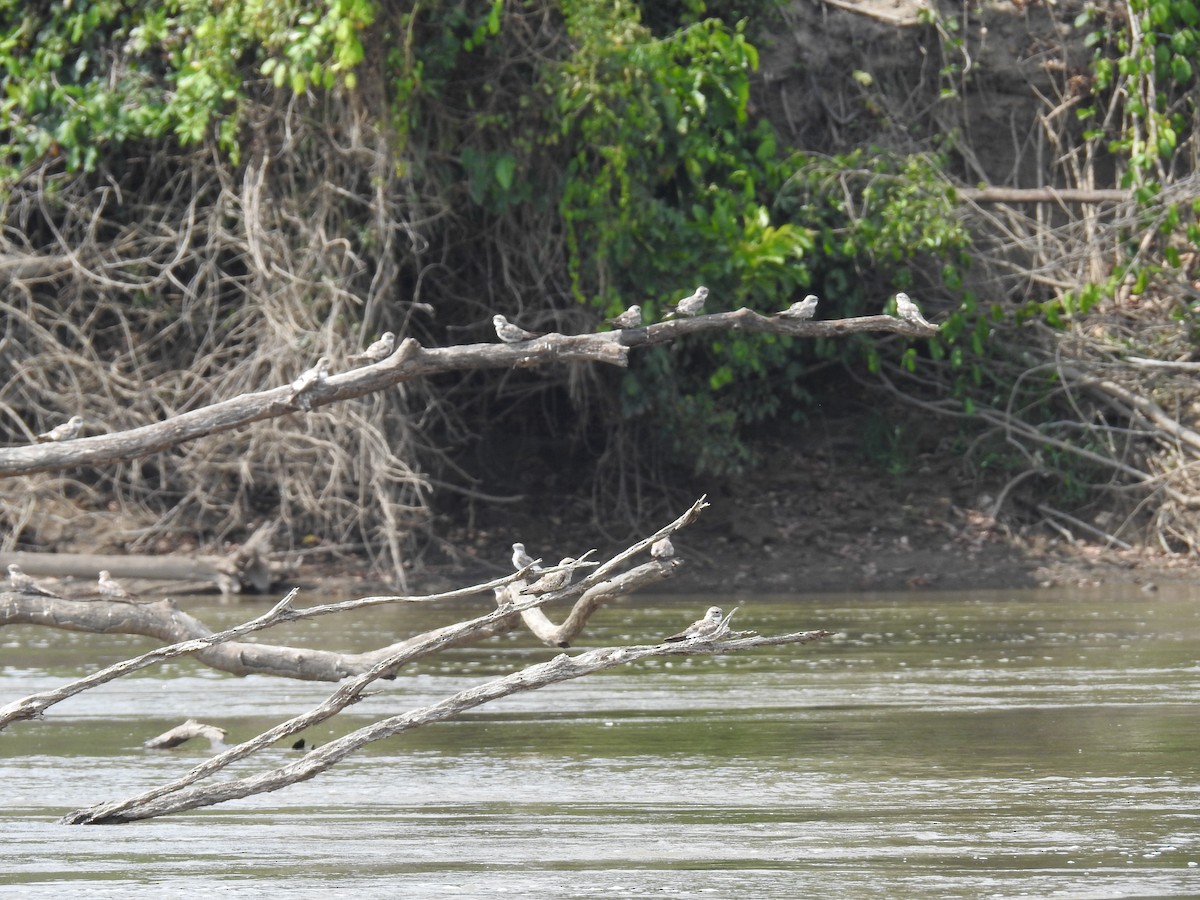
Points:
[[885, 222], [593, 158], [1148, 57], [669, 184], [642, 142], [79, 80], [888, 444]]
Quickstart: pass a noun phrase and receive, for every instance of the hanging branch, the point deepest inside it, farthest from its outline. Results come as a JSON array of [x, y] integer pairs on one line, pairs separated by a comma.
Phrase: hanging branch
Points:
[[408, 362]]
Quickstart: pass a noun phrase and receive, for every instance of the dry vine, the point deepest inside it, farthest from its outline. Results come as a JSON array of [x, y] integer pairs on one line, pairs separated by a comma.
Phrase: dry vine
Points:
[[1091, 423]]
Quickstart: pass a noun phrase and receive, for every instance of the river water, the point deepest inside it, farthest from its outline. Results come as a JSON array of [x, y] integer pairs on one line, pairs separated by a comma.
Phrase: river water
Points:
[[980, 744]]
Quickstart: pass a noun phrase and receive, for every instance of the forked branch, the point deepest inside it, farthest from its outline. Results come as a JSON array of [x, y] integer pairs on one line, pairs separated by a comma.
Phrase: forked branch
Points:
[[172, 799]]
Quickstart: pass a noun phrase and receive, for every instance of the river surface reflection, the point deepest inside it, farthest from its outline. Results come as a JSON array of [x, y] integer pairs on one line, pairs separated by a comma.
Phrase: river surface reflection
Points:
[[986, 744]]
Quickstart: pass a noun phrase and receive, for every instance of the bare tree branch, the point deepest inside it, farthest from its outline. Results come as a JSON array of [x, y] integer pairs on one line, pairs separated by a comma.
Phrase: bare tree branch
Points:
[[408, 362], [33, 706], [561, 668], [164, 621]]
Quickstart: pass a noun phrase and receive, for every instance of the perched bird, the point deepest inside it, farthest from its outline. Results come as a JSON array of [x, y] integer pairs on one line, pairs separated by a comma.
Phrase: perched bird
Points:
[[521, 559], [802, 309], [690, 305], [63, 432], [700, 629], [663, 549], [631, 318], [510, 333], [309, 379], [910, 312], [553, 581], [379, 350], [23, 584], [111, 589]]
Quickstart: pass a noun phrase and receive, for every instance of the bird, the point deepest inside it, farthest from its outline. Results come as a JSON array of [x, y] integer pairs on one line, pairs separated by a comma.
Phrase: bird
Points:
[[111, 589], [802, 309], [309, 379], [910, 312], [63, 432], [553, 581], [521, 559], [510, 333], [631, 318], [379, 350], [689, 305], [663, 549], [701, 628], [23, 584]]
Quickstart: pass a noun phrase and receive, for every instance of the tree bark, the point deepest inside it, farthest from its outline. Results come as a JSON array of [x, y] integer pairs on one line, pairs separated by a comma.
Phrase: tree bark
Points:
[[247, 566], [409, 361], [560, 668], [1043, 195], [189, 635]]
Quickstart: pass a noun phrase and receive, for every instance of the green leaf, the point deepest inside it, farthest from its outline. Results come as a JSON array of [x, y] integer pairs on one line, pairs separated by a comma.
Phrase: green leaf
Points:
[[505, 166]]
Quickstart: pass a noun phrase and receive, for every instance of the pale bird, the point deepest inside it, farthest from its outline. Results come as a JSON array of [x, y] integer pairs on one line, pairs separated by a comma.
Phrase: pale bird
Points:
[[801, 309], [910, 312], [701, 628], [553, 581], [631, 318], [23, 584], [689, 306], [663, 549], [310, 378], [510, 333], [521, 559], [63, 432], [378, 351], [111, 589]]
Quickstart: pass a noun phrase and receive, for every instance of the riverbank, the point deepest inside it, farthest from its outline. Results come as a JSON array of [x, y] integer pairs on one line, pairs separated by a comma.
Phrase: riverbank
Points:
[[827, 511]]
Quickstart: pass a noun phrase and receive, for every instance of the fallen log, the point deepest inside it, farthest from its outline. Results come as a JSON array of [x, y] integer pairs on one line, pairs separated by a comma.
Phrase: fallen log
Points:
[[248, 567]]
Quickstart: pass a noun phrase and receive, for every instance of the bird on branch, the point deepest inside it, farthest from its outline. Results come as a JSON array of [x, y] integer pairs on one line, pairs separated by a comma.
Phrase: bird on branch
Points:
[[23, 584], [701, 629], [690, 305], [308, 380], [63, 432], [111, 589], [521, 559], [663, 549], [910, 312], [510, 333], [380, 350], [631, 318], [553, 581], [802, 309]]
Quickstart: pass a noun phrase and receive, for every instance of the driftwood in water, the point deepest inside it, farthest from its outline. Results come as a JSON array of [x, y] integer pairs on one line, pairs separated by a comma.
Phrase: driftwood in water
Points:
[[181, 734], [248, 567], [603, 582], [184, 794], [221, 651]]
